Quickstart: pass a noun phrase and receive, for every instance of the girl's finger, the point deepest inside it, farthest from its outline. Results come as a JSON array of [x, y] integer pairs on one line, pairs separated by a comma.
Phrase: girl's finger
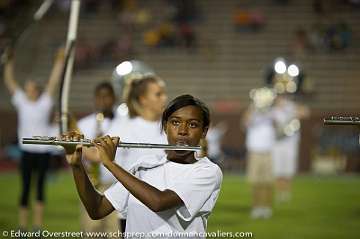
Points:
[[108, 141], [116, 141], [99, 147]]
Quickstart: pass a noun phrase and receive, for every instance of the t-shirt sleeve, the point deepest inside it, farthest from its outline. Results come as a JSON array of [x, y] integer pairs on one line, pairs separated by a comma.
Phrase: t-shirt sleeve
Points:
[[118, 196], [18, 98], [198, 190]]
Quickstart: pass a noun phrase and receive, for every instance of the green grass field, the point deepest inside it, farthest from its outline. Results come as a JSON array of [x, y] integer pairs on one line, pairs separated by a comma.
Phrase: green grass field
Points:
[[321, 207]]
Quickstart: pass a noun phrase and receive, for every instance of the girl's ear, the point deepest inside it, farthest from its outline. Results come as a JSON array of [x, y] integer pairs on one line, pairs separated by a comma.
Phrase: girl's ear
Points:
[[205, 132], [165, 127], [142, 100]]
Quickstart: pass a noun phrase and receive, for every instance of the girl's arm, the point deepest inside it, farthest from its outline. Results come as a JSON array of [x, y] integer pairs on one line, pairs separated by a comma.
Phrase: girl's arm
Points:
[[95, 203], [152, 197]]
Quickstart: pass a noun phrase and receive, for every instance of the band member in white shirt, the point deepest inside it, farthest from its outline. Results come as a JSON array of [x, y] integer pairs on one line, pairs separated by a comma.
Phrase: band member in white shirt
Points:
[[33, 111], [175, 195], [260, 138], [145, 98], [92, 126], [287, 115]]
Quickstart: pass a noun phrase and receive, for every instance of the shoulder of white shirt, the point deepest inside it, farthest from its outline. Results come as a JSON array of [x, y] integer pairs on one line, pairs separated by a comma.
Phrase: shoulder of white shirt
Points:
[[206, 161], [87, 119], [162, 158]]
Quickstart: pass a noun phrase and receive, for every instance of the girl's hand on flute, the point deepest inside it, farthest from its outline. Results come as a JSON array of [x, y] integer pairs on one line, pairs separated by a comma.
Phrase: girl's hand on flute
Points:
[[106, 147], [73, 152]]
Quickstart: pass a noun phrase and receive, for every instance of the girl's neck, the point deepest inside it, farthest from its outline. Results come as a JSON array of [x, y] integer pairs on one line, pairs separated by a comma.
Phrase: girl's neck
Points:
[[189, 158], [149, 115]]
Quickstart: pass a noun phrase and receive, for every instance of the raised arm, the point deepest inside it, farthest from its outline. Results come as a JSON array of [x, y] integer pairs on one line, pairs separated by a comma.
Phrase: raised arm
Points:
[[9, 78], [56, 72], [150, 196], [95, 203]]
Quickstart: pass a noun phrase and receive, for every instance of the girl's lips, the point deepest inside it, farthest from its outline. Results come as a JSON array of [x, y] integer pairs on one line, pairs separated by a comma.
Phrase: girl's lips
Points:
[[182, 143]]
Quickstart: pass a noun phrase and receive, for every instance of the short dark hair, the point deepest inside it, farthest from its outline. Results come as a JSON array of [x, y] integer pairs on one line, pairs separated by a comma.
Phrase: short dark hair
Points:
[[182, 101], [104, 85]]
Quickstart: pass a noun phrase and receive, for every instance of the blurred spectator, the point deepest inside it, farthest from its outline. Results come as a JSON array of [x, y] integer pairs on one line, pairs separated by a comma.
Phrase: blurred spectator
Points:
[[186, 11], [126, 18], [163, 36], [177, 29], [129, 15], [316, 36], [85, 53], [322, 37], [242, 18], [142, 17], [301, 44], [151, 38], [117, 49], [337, 36], [188, 36], [257, 19], [246, 20], [167, 33]]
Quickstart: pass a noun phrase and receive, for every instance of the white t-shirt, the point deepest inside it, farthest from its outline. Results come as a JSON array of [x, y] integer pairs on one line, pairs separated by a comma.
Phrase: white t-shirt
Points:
[[283, 115], [260, 135], [33, 118], [88, 126], [136, 130], [286, 149], [197, 184]]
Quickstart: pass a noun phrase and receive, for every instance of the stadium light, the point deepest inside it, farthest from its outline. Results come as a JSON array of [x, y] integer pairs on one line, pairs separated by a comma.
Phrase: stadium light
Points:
[[293, 70], [280, 67]]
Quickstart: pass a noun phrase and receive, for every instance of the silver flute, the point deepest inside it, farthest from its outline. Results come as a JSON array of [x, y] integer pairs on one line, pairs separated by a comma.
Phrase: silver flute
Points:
[[342, 120], [46, 140]]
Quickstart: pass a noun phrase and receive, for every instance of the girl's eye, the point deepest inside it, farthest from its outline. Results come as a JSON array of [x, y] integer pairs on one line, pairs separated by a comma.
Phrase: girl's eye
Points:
[[175, 122], [193, 125]]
